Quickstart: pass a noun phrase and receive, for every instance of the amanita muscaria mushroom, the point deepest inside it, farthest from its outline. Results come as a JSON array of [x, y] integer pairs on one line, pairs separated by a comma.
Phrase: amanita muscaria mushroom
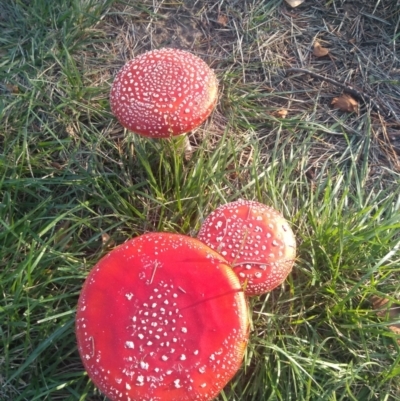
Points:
[[161, 317], [163, 93], [255, 239]]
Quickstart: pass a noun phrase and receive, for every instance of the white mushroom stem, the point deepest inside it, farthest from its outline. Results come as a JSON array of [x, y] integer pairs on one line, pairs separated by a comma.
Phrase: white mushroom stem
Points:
[[187, 148]]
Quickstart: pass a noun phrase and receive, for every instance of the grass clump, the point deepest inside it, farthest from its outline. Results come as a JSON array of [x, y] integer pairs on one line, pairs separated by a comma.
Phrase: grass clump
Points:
[[73, 184]]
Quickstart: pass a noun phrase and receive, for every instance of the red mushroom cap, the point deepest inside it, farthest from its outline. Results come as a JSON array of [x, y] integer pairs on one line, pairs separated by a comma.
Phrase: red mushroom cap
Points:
[[163, 93], [162, 317], [255, 239]]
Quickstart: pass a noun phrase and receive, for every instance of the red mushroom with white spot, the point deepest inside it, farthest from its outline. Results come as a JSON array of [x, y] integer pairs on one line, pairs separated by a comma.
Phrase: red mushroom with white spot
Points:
[[163, 93], [255, 239], [162, 317]]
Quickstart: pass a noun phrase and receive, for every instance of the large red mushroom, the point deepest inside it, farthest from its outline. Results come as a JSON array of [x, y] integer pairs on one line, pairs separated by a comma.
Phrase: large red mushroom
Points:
[[255, 239], [163, 93], [161, 317]]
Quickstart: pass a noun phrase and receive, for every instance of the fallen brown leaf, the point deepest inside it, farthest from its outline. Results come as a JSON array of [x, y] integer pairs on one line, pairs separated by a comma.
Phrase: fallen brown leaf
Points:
[[56, 165], [345, 103], [222, 19], [395, 330], [390, 310], [267, 88], [282, 113], [319, 51], [383, 307], [294, 3], [70, 130], [12, 88]]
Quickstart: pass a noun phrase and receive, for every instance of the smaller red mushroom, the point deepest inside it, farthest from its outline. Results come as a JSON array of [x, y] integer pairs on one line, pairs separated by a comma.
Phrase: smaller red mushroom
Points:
[[163, 93], [255, 239], [162, 317]]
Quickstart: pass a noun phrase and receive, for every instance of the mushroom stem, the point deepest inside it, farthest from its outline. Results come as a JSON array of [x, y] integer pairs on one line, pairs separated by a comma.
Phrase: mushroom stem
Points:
[[181, 147], [187, 148]]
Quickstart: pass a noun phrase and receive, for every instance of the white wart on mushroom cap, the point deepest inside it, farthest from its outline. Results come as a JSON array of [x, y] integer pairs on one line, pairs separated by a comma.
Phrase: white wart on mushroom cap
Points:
[[162, 317], [255, 239], [163, 93]]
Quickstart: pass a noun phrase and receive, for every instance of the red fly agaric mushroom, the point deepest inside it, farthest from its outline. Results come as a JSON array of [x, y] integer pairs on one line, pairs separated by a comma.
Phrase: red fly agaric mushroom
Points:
[[255, 239], [163, 93], [161, 317]]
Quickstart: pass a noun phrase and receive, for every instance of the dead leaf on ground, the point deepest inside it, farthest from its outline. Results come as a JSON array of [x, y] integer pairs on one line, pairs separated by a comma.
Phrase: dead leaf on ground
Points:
[[395, 330], [267, 88], [222, 19], [282, 113], [294, 3], [70, 130], [319, 51], [345, 103], [12, 88], [56, 165], [390, 310], [383, 307]]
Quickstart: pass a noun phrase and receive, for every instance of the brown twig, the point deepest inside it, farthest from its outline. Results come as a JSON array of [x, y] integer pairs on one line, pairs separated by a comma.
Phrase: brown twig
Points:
[[346, 87]]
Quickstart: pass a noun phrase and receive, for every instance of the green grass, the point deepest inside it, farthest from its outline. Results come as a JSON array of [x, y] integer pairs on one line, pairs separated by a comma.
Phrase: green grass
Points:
[[70, 178]]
